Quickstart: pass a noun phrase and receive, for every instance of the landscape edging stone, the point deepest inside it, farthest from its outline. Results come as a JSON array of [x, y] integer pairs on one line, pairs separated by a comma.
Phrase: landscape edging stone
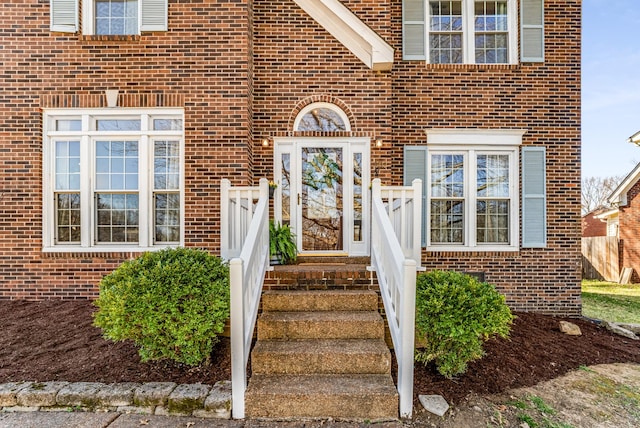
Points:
[[204, 401]]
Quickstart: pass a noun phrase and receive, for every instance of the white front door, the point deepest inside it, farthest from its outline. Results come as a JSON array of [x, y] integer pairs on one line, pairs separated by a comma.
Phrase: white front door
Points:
[[323, 193]]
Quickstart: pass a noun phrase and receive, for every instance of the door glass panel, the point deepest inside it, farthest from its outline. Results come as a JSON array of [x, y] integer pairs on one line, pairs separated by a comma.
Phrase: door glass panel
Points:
[[357, 197], [322, 212], [286, 188]]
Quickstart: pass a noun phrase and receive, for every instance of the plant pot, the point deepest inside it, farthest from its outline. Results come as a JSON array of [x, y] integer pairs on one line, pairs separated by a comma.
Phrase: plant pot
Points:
[[275, 260], [272, 191]]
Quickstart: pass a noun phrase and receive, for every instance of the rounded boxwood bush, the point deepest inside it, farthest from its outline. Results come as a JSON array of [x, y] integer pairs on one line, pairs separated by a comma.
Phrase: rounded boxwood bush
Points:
[[171, 303], [455, 314]]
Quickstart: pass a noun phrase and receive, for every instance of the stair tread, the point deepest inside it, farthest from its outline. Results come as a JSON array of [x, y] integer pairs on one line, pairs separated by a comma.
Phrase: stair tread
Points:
[[321, 316], [320, 300], [322, 346], [322, 385]]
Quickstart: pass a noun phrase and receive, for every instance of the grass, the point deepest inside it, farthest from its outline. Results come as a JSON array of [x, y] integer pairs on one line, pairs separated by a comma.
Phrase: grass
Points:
[[611, 301]]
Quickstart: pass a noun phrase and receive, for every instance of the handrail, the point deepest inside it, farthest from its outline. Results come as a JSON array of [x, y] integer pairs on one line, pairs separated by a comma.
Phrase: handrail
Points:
[[405, 213], [247, 272], [396, 273], [237, 208]]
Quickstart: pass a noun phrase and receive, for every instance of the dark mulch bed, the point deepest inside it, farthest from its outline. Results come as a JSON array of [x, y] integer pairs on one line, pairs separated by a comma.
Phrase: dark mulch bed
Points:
[[535, 351], [54, 340]]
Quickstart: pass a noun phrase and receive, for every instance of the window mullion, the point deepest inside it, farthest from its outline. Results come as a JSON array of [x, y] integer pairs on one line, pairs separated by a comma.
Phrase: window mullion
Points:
[[87, 201], [145, 192], [469, 44], [471, 198]]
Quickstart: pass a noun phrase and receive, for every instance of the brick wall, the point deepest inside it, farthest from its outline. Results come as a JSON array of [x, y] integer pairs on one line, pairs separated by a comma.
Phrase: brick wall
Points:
[[298, 61], [200, 65], [238, 90], [629, 229], [592, 226]]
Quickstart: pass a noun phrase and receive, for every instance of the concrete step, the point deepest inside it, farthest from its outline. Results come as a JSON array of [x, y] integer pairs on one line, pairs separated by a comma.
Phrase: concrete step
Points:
[[320, 325], [320, 300], [321, 356], [368, 396]]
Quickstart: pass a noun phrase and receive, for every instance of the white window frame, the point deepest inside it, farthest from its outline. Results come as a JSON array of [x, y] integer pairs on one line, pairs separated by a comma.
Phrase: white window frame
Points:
[[468, 33], [146, 136], [470, 143], [322, 105], [152, 16]]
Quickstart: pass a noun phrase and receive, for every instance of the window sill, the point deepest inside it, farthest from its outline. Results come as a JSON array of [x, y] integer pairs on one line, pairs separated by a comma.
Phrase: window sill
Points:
[[464, 67], [110, 38], [476, 249], [77, 251]]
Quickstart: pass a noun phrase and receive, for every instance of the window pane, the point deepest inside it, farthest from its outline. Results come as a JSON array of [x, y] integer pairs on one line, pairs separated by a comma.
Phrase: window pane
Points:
[[68, 125], [493, 176], [491, 29], [447, 176], [445, 37], [67, 165], [116, 165], [167, 217], [166, 161], [322, 119], [447, 222], [116, 16], [117, 217], [118, 124], [167, 124], [67, 216], [493, 221]]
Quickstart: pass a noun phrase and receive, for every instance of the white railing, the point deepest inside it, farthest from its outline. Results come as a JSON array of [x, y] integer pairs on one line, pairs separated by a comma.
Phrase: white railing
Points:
[[395, 257], [237, 208], [247, 271]]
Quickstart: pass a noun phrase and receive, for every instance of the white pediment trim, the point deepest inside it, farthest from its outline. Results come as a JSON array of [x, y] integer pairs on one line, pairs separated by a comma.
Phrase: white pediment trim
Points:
[[349, 30]]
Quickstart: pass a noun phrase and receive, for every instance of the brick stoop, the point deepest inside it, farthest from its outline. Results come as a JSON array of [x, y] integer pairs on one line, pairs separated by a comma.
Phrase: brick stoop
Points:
[[321, 353], [322, 273]]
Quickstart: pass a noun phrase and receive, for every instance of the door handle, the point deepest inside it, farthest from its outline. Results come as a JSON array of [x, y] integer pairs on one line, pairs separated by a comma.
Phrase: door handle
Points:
[[298, 198]]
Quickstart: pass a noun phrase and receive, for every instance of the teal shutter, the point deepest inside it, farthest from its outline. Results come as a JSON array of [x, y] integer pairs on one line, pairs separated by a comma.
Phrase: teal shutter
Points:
[[532, 30], [413, 29], [415, 166], [534, 198], [63, 15], [153, 15]]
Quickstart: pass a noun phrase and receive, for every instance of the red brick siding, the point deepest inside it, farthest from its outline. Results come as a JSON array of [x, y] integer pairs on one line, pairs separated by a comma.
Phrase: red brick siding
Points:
[[200, 64], [297, 61], [592, 226], [629, 229], [238, 90]]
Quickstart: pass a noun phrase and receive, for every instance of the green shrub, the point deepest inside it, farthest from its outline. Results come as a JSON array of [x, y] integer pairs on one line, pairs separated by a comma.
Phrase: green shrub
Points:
[[172, 304], [455, 314]]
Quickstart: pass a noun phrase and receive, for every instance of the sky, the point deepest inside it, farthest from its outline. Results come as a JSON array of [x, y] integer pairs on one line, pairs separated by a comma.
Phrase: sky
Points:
[[610, 86]]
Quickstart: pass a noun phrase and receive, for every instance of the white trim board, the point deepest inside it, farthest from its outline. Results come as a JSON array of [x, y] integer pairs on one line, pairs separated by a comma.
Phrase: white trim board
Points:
[[349, 30]]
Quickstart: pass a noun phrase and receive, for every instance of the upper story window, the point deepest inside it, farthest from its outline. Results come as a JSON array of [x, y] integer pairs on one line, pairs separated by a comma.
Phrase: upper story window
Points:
[[113, 179], [109, 17], [471, 31], [116, 17]]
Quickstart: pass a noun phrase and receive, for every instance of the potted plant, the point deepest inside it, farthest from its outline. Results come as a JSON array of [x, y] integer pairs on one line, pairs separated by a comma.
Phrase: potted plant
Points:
[[282, 244]]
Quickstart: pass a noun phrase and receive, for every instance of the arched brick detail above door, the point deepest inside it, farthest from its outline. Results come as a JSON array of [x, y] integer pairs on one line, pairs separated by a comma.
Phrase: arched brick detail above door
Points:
[[321, 98]]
